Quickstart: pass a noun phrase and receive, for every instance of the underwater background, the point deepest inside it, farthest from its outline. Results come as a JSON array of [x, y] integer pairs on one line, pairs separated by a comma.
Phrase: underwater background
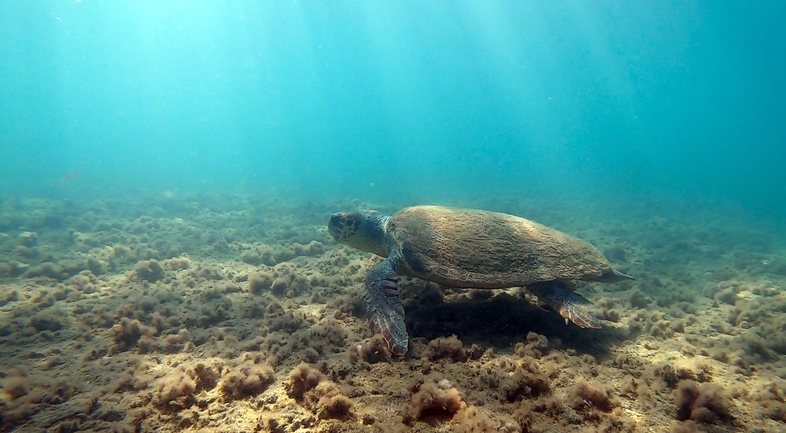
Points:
[[619, 102], [167, 169]]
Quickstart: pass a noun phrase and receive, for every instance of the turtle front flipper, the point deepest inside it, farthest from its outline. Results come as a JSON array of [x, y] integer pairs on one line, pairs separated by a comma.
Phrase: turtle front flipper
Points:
[[567, 303], [380, 295]]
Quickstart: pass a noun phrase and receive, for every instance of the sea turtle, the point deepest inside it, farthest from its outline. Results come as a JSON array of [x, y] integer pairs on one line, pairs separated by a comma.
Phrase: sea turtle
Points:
[[468, 248]]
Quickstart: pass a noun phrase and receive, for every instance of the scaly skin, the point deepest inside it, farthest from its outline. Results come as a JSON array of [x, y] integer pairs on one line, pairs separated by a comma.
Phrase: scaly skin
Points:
[[365, 230], [567, 303], [380, 295]]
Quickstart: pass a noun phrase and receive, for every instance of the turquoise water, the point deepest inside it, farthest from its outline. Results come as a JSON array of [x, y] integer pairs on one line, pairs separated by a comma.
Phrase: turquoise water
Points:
[[167, 170], [397, 100]]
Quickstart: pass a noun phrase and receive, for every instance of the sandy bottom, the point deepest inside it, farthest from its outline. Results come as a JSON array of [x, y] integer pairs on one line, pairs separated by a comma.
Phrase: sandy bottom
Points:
[[226, 314]]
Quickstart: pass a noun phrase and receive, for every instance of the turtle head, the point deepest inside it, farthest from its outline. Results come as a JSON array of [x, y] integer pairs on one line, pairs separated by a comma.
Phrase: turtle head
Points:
[[361, 229]]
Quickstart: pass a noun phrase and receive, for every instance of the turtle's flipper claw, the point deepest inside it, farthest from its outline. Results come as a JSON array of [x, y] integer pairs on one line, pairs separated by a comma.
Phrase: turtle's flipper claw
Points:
[[380, 295], [568, 304], [580, 315]]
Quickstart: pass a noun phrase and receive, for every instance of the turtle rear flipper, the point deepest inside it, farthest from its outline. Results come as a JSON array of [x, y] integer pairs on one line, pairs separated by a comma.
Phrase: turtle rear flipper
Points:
[[567, 303], [380, 295]]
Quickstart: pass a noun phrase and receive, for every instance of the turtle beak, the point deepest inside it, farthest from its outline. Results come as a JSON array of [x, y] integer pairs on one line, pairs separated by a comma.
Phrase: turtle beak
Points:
[[335, 224]]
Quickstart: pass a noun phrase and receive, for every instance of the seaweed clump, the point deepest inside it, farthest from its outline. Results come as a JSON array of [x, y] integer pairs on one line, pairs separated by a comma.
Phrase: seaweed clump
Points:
[[472, 420], [433, 399], [259, 283], [373, 351], [175, 390], [449, 347], [23, 395], [773, 402], [312, 388], [149, 270], [705, 403], [250, 378], [525, 382], [130, 333], [586, 396]]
